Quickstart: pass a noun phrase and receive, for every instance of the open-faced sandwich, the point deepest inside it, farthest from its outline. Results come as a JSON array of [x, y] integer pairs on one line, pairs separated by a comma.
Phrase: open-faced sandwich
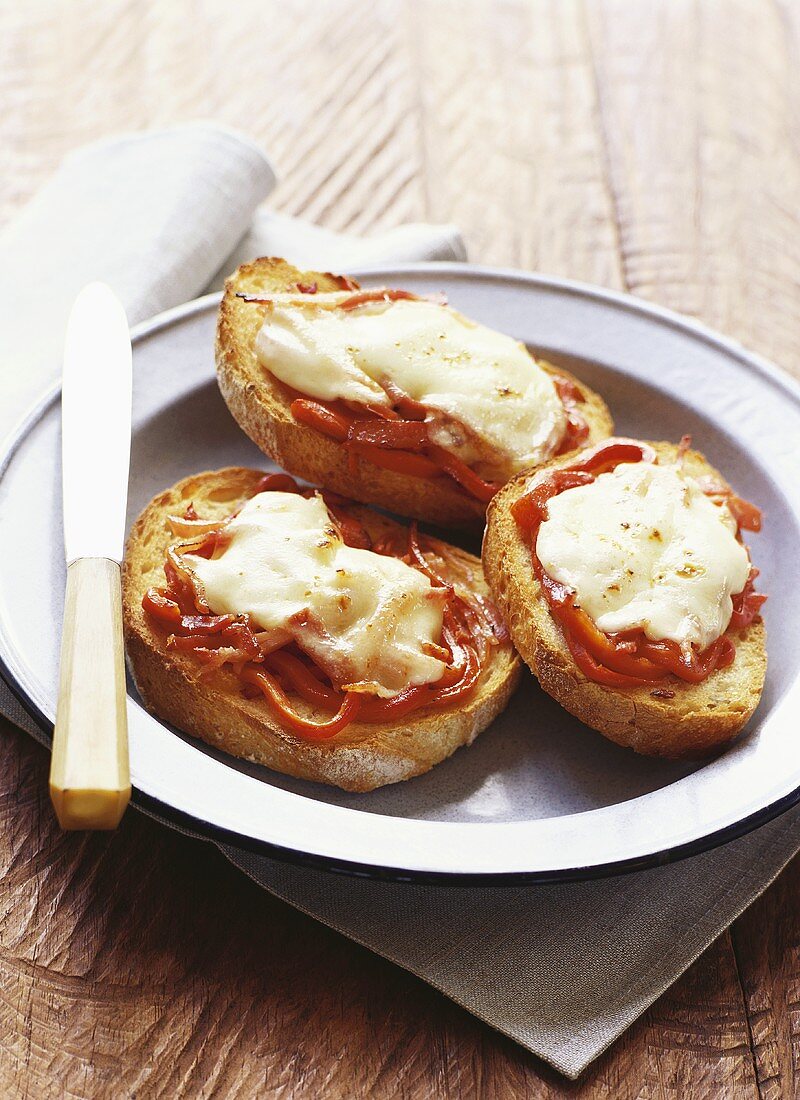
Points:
[[390, 398], [321, 639], [626, 586]]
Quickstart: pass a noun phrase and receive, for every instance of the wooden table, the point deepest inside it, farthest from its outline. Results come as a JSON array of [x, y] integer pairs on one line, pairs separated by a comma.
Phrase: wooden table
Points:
[[648, 146]]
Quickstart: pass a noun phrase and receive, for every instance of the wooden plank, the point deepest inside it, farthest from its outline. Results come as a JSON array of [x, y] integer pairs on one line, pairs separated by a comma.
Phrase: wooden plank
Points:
[[767, 944], [698, 110]]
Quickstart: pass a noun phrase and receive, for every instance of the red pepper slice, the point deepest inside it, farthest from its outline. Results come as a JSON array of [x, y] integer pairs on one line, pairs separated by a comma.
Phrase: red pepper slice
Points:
[[419, 560], [576, 433], [181, 587], [398, 435], [593, 670], [306, 727], [277, 483], [581, 628], [240, 635], [567, 390], [460, 472], [747, 604], [302, 679], [529, 510], [747, 516], [692, 667], [401, 462], [353, 533], [577, 430], [188, 642], [462, 676], [158, 605], [611, 452], [379, 412], [322, 418], [191, 528], [407, 406], [365, 296]]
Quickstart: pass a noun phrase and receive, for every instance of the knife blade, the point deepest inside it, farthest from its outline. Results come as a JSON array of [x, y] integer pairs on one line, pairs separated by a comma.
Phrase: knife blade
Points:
[[89, 771], [96, 425]]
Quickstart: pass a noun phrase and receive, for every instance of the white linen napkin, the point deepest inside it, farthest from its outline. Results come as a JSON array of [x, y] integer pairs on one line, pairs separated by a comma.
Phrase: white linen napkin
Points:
[[561, 969]]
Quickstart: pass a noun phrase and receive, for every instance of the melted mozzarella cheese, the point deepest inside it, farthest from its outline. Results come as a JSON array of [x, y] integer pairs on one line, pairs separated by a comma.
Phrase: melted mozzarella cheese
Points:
[[643, 546], [362, 616], [468, 374]]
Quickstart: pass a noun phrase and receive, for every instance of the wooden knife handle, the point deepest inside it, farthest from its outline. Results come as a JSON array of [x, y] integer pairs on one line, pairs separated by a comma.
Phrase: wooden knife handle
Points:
[[89, 772]]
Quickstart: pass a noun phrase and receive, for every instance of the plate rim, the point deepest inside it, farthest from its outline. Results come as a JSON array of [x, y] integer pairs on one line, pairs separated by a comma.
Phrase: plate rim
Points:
[[208, 830]]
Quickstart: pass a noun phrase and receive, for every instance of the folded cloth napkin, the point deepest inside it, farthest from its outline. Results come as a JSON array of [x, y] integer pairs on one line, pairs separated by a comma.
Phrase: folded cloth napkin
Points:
[[561, 969]]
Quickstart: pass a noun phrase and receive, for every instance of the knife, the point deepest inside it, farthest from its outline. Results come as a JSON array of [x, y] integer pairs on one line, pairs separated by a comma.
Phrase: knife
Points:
[[89, 771]]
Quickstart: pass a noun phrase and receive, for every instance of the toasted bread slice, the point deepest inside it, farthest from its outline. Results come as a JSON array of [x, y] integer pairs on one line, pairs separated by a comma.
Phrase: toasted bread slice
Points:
[[696, 720], [361, 756], [260, 405]]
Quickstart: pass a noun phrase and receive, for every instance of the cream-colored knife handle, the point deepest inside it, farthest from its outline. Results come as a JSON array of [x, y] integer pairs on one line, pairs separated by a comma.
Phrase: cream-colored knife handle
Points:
[[89, 774]]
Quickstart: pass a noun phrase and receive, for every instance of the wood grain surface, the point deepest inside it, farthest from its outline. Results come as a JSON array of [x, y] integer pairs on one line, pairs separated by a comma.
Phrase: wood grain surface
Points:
[[653, 146]]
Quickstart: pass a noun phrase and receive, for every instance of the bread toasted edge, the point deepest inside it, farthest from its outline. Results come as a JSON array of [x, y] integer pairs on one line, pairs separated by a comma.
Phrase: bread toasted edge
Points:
[[698, 720], [260, 408], [359, 758]]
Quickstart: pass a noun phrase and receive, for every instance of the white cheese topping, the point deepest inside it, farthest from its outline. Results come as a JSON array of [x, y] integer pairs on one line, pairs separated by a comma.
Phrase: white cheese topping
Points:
[[362, 616], [643, 546], [470, 375]]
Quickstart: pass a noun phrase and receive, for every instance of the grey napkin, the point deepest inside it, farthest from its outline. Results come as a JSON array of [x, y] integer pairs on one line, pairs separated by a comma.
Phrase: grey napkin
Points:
[[561, 969]]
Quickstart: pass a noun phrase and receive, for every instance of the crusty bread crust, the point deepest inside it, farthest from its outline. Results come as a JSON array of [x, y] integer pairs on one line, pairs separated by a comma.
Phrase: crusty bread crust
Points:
[[360, 757], [259, 405], [696, 721]]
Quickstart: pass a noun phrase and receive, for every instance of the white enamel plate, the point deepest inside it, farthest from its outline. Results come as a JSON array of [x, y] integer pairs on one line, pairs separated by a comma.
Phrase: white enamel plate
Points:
[[538, 796]]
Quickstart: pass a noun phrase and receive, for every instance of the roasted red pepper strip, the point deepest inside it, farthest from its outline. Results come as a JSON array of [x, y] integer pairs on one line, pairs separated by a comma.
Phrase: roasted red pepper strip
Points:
[[747, 516], [302, 679], [693, 667], [316, 415], [353, 533], [240, 635], [576, 433], [187, 642], [604, 650], [401, 462], [364, 296], [161, 607], [191, 528], [308, 729], [399, 435], [405, 405], [593, 670], [609, 454], [577, 430], [746, 604], [568, 391], [460, 472], [277, 483], [529, 510]]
